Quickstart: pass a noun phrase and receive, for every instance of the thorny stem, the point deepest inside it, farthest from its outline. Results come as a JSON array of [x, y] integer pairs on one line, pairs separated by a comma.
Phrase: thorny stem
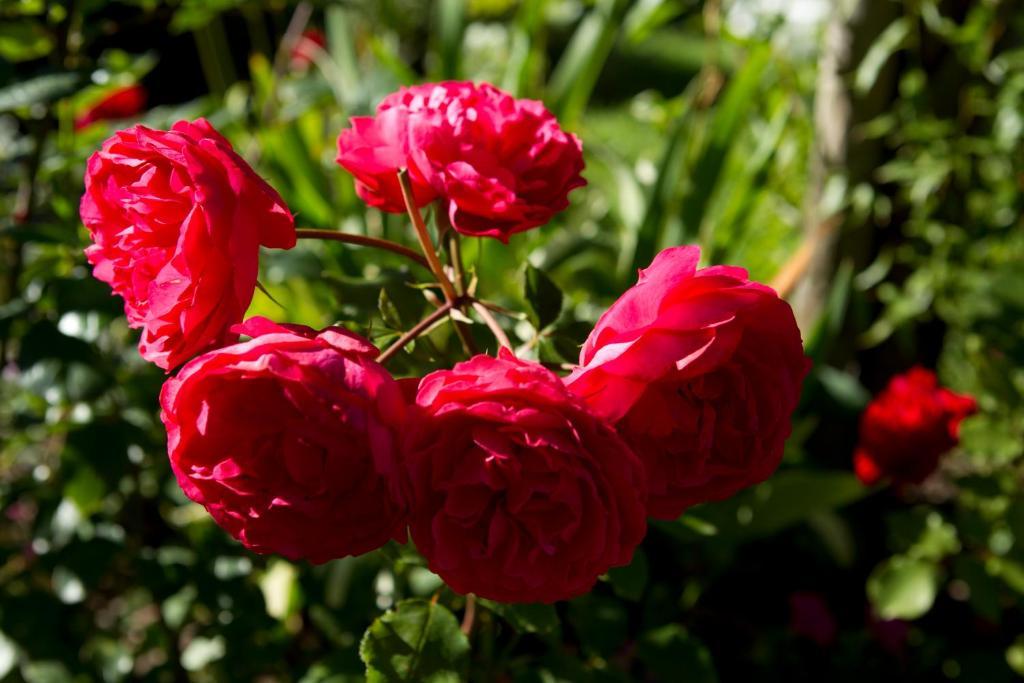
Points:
[[419, 328], [364, 241]]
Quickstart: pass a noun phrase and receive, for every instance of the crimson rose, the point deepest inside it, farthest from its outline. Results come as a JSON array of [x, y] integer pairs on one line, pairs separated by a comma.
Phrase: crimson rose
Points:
[[290, 441], [520, 493], [500, 165], [177, 219], [907, 428], [700, 371]]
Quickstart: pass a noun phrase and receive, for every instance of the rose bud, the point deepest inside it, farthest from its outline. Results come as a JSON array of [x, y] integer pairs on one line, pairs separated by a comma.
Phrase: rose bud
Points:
[[121, 103], [177, 219], [908, 427], [521, 494], [499, 165], [700, 371], [304, 51], [289, 440]]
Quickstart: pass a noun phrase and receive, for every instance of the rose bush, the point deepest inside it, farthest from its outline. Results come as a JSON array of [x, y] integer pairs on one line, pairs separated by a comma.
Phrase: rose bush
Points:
[[700, 370], [177, 220], [519, 492], [290, 441], [907, 428], [499, 165]]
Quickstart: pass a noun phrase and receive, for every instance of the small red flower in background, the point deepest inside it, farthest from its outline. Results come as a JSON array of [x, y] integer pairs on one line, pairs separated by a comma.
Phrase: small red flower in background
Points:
[[122, 103], [177, 220], [908, 427], [520, 494], [500, 165], [290, 441], [305, 48], [700, 370]]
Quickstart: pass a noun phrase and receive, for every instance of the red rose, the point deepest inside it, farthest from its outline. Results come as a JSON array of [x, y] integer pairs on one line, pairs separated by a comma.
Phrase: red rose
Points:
[[177, 219], [290, 441], [500, 165], [520, 493], [121, 103], [700, 371], [907, 428]]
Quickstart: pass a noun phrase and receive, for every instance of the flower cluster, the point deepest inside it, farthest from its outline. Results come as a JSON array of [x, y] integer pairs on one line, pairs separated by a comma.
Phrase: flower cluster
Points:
[[514, 483]]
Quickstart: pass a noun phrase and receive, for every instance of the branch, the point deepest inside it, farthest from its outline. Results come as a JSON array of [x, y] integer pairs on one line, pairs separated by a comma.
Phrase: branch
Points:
[[363, 241], [422, 326], [492, 324]]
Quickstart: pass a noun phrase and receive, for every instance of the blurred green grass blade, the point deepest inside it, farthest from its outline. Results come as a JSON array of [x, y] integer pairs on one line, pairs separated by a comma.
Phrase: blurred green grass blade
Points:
[[341, 44], [451, 22], [826, 330], [726, 120], [638, 251], [388, 56], [573, 79], [309, 193], [745, 190], [887, 44], [648, 15], [526, 47]]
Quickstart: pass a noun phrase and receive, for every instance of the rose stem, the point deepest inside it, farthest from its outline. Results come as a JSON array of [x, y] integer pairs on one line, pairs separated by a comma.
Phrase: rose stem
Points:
[[427, 246], [424, 237], [363, 241], [469, 616], [495, 328], [418, 329], [455, 258]]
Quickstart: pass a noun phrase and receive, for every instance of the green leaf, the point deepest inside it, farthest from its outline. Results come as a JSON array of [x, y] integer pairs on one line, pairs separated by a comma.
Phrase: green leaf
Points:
[[844, 388], [527, 618], [280, 587], [8, 655], [903, 587], [630, 581], [788, 498], [602, 623], [1015, 656], [543, 297], [671, 654], [417, 641]]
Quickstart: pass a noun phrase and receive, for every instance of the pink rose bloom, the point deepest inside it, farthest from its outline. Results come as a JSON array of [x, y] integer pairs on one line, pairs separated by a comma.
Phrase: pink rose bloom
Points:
[[700, 371], [499, 165], [177, 220], [289, 440], [907, 428], [520, 493]]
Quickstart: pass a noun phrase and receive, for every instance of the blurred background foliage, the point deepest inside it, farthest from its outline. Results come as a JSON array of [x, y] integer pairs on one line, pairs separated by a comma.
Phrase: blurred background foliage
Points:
[[864, 156]]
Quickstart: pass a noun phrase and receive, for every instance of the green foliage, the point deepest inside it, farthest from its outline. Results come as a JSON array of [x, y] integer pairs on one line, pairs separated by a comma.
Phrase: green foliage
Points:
[[108, 573]]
